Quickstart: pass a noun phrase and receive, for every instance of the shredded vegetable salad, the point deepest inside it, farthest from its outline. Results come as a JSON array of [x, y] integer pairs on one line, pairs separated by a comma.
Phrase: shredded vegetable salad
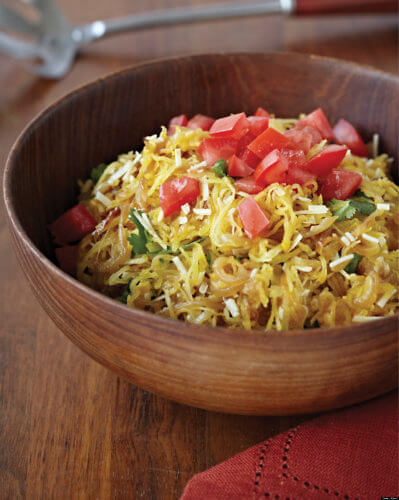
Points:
[[247, 222]]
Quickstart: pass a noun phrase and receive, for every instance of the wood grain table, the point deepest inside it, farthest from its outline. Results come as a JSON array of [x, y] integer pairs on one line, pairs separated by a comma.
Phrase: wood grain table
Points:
[[69, 428]]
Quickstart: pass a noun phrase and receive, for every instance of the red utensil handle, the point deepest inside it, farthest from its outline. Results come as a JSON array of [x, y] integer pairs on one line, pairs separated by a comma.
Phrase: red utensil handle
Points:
[[309, 7]]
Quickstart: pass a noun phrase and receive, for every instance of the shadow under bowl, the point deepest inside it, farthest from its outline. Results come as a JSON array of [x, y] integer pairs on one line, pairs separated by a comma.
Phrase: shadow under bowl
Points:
[[235, 371]]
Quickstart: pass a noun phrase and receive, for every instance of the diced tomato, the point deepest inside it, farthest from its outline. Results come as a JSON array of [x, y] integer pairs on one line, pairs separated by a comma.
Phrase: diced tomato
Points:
[[297, 175], [249, 185], [200, 121], [213, 149], [325, 161], [271, 169], [232, 127], [180, 120], [340, 184], [345, 133], [238, 168], [243, 143], [262, 112], [295, 157], [318, 120], [67, 257], [252, 217], [176, 193], [303, 138], [72, 225], [267, 141], [249, 158], [258, 124]]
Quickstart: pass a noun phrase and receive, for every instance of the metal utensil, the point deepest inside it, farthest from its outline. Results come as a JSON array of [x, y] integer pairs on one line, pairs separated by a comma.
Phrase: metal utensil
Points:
[[56, 42]]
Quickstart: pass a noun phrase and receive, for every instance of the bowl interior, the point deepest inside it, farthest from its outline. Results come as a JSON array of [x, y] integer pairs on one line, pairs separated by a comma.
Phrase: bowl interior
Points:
[[111, 116]]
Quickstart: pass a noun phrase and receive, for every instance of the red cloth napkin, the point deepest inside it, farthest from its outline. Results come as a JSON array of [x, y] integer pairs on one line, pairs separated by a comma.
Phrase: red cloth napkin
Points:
[[349, 454]]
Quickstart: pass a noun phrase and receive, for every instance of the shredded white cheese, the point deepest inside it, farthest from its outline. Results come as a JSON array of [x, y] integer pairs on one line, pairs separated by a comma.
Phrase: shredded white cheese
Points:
[[160, 216], [383, 206], [186, 208], [350, 236], [360, 319], [281, 312], [103, 199], [345, 241], [298, 238], [205, 190], [341, 260], [314, 209], [254, 272], [367, 237], [304, 269], [384, 299], [182, 220], [178, 157], [203, 288], [232, 307], [202, 211], [200, 317], [345, 274], [179, 264]]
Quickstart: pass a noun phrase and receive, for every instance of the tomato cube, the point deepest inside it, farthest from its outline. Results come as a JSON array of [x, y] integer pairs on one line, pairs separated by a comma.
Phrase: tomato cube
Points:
[[257, 124], [72, 225], [249, 185], [345, 133], [213, 149], [318, 120], [295, 157], [297, 175], [253, 219], [238, 168], [262, 112], [303, 138], [177, 192], [271, 169], [340, 184], [267, 141], [325, 161], [180, 120], [230, 127], [67, 257], [200, 121]]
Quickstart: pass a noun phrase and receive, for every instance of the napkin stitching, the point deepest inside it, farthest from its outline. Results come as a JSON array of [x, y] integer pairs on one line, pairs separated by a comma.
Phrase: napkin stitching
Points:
[[305, 484], [259, 467]]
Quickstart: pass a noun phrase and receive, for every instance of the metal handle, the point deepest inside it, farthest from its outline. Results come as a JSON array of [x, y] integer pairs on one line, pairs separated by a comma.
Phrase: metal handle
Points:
[[98, 29]]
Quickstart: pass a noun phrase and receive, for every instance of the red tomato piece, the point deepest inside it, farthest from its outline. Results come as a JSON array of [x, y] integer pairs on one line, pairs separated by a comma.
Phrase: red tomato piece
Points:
[[303, 138], [180, 120], [72, 225], [213, 149], [262, 112], [345, 133], [325, 161], [340, 184], [318, 120], [253, 219], [233, 126], [176, 193], [238, 168], [297, 175], [243, 143], [200, 121], [249, 185], [249, 158], [67, 257], [271, 169], [258, 124], [267, 141], [295, 157]]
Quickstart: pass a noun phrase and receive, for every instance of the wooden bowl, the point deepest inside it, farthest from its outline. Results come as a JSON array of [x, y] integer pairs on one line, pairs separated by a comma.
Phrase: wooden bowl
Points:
[[258, 373]]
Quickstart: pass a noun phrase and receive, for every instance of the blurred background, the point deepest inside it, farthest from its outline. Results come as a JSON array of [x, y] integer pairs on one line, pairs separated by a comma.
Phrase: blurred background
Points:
[[157, 445]]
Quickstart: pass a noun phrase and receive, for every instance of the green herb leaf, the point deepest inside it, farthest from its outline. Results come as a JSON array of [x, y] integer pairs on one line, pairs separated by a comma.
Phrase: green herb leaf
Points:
[[359, 194], [238, 258], [352, 266], [138, 241], [186, 246], [209, 260], [125, 294], [97, 172], [363, 206], [169, 251], [342, 209], [220, 168]]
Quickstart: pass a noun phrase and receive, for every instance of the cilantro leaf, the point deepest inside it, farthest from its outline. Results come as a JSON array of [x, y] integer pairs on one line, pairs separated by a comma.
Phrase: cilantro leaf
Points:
[[363, 206], [138, 241], [169, 251], [125, 294], [342, 209], [186, 246], [352, 266], [359, 194], [97, 172], [220, 168]]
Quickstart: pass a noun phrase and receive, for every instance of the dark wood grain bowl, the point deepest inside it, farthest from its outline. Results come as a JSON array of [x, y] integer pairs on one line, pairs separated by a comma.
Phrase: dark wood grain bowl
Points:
[[259, 373]]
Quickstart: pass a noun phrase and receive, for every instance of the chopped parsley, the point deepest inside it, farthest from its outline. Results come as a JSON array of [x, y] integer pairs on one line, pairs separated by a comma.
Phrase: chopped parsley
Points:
[[346, 209], [352, 266], [220, 168], [125, 294], [97, 172]]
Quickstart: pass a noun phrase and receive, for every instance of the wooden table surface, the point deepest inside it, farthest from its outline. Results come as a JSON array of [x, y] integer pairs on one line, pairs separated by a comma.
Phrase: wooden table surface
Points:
[[69, 428]]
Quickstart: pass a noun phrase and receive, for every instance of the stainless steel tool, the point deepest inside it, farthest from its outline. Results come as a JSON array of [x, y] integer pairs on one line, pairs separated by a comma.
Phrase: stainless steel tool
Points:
[[55, 42]]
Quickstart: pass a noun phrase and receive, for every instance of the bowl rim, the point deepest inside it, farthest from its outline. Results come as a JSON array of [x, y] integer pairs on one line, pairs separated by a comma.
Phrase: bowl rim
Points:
[[162, 323]]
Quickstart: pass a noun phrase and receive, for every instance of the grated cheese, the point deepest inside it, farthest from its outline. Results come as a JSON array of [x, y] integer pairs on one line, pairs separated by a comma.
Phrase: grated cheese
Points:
[[183, 220], [305, 269], [367, 237], [103, 199], [178, 157], [383, 206], [350, 236], [345, 241], [202, 211], [205, 190], [232, 307], [384, 299], [345, 274], [179, 264], [341, 260], [186, 208], [296, 241], [313, 209], [360, 319], [203, 288]]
